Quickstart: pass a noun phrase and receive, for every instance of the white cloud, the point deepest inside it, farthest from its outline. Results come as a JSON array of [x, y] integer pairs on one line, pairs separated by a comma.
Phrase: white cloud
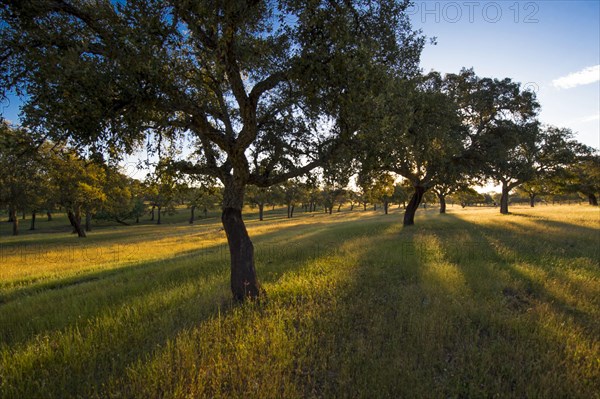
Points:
[[590, 118], [585, 76]]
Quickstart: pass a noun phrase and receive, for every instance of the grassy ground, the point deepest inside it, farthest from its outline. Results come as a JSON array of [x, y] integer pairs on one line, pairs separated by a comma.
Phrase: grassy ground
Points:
[[468, 304]]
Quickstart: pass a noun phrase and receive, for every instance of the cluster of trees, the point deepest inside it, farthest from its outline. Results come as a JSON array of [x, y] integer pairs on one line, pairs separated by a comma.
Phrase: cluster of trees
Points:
[[267, 91]]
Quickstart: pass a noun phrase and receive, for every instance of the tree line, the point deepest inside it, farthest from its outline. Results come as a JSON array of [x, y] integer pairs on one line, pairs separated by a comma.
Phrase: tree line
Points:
[[268, 91]]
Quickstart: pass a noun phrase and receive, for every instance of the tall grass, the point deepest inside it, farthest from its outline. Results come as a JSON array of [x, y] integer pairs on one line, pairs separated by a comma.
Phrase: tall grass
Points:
[[468, 304]]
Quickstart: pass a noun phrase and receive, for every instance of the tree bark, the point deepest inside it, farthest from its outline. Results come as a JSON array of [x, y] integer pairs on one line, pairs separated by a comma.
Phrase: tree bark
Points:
[[152, 213], [49, 215], [261, 208], [504, 199], [88, 221], [385, 207], [244, 284], [32, 226], [12, 216], [532, 200], [158, 214], [292, 211], [192, 216], [364, 206], [592, 199], [75, 220], [413, 205], [289, 211], [339, 209], [442, 199]]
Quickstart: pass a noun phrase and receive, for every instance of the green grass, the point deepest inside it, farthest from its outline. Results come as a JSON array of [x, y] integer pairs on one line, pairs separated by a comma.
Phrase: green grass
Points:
[[468, 304]]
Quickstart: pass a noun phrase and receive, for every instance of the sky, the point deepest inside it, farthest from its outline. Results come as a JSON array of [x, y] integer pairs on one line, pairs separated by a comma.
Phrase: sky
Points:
[[551, 47]]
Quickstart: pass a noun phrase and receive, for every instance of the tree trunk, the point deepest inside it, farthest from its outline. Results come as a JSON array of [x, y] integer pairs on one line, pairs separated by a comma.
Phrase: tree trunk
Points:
[[49, 215], [364, 206], [75, 220], [289, 211], [88, 221], [12, 216], [375, 207], [339, 208], [244, 284], [192, 216], [413, 205], [442, 199], [261, 209], [152, 213], [24, 215], [504, 199], [351, 207], [158, 214], [592, 199], [532, 200], [292, 211], [385, 207], [32, 226]]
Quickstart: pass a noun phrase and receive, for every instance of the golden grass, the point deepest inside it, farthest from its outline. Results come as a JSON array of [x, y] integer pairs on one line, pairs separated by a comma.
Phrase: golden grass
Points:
[[469, 304]]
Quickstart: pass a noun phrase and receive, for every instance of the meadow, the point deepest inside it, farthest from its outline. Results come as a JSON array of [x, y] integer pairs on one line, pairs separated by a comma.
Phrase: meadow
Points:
[[470, 304]]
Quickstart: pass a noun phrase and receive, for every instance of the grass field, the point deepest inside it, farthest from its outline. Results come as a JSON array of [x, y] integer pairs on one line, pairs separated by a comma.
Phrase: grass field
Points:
[[470, 304]]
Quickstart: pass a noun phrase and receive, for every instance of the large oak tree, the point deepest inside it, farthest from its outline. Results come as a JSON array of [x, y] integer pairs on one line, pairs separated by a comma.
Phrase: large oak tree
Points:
[[265, 89]]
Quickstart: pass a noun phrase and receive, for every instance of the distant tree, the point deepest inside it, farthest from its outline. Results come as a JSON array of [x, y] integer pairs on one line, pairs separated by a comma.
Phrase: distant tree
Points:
[[521, 152], [23, 180], [467, 196], [583, 176], [78, 184], [419, 136]]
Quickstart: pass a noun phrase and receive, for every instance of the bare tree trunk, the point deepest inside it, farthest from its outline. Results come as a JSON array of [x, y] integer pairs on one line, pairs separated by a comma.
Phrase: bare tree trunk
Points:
[[413, 205], [75, 219], [504, 199], [442, 199], [244, 284], [12, 216], [192, 216], [32, 226]]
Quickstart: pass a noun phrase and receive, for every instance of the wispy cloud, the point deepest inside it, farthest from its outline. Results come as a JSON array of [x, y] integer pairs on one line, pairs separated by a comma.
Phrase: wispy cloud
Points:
[[585, 76], [590, 118]]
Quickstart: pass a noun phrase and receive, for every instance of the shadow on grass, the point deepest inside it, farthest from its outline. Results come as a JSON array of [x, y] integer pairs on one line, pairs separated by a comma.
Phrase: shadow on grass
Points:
[[89, 330], [442, 313]]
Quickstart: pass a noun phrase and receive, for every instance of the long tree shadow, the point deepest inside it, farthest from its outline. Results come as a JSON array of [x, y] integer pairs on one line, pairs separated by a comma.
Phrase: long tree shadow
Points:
[[430, 314], [127, 314]]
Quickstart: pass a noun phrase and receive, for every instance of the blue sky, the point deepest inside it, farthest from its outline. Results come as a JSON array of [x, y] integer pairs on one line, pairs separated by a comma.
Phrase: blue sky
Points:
[[534, 42], [551, 46]]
